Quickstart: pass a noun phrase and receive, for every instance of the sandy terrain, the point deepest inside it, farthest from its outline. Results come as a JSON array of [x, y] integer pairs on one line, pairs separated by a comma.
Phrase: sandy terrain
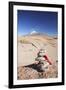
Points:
[[28, 47], [27, 51]]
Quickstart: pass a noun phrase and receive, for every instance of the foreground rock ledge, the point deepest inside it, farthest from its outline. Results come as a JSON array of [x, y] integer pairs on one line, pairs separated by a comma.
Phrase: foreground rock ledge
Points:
[[30, 72]]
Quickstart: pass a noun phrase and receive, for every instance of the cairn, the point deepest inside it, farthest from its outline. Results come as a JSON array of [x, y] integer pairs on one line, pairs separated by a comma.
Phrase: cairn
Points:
[[42, 62]]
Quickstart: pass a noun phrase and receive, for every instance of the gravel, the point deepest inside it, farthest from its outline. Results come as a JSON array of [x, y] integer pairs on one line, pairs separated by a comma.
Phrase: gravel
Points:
[[26, 72]]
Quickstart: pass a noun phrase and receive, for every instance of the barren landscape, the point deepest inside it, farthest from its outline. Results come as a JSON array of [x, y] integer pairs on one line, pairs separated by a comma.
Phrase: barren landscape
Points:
[[28, 47]]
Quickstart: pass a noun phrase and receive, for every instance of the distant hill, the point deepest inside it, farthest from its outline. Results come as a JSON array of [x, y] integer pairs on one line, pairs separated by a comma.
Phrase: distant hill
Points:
[[35, 33]]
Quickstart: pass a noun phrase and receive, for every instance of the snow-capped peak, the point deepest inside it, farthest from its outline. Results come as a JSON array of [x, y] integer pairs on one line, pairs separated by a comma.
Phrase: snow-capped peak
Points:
[[33, 32]]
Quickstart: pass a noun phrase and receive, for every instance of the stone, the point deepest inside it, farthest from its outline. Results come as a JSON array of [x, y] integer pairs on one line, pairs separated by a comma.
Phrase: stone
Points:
[[41, 54]]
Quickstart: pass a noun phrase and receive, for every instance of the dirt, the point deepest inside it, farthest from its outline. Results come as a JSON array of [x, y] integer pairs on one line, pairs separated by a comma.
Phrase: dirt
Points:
[[31, 72]]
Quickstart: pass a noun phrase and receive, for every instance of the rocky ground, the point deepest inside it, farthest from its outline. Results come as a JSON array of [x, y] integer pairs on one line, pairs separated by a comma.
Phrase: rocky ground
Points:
[[28, 47], [31, 72]]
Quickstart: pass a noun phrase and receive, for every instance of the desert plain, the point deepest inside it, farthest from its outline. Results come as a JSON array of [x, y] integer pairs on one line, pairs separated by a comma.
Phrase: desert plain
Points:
[[28, 47]]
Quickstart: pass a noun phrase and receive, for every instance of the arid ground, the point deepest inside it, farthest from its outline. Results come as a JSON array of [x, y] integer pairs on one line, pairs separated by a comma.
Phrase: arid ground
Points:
[[28, 47]]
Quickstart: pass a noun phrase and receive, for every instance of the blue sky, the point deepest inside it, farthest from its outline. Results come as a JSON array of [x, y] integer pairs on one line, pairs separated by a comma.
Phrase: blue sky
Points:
[[39, 21]]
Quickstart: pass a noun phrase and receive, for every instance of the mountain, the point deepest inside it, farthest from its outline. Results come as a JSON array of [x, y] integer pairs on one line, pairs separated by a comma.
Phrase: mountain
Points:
[[33, 32]]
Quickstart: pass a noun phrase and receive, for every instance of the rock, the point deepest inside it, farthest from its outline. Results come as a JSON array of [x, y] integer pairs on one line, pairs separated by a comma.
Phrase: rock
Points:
[[40, 59], [27, 73], [42, 51], [42, 67], [41, 54], [43, 64]]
